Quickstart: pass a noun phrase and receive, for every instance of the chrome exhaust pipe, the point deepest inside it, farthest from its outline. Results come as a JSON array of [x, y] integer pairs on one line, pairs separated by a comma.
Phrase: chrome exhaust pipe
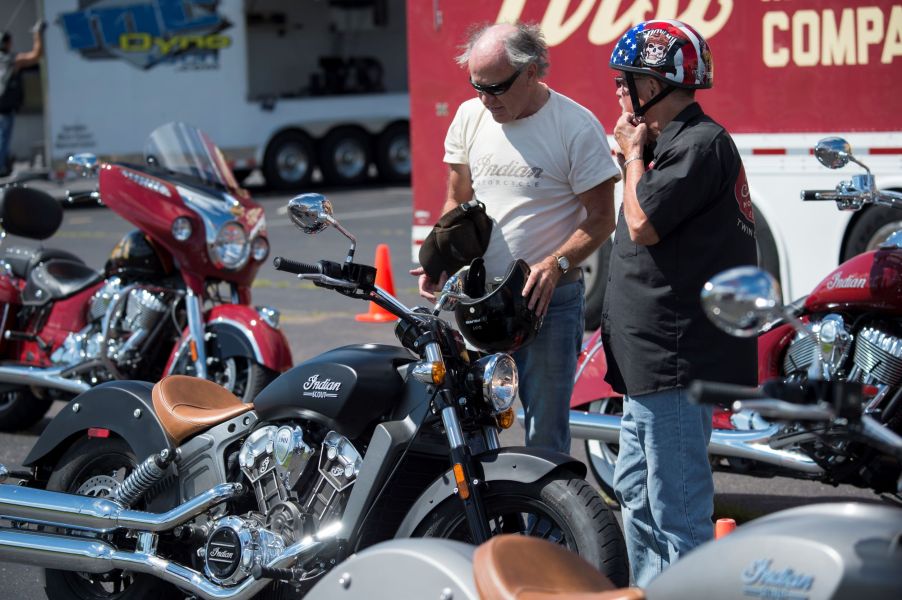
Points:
[[45, 378], [101, 515], [87, 555], [736, 443]]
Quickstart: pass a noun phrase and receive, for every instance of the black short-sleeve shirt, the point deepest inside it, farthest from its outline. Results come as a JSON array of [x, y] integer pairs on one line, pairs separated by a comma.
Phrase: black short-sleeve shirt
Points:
[[694, 192]]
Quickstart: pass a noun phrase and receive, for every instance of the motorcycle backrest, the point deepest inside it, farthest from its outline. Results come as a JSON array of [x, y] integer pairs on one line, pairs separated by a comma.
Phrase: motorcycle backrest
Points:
[[29, 213]]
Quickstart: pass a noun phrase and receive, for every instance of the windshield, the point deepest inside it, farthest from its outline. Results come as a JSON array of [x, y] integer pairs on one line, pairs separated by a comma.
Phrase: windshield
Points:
[[188, 151]]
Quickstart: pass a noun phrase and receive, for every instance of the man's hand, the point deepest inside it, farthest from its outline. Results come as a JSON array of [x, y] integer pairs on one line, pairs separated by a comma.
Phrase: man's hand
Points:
[[631, 137], [426, 285], [39, 27], [543, 278]]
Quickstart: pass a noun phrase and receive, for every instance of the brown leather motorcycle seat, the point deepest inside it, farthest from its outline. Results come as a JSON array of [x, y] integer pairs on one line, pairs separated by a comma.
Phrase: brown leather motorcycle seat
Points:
[[509, 567], [188, 405]]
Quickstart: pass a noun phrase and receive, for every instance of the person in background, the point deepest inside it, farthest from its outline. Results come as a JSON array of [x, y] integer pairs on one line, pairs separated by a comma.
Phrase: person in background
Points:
[[11, 65], [542, 166], [686, 215]]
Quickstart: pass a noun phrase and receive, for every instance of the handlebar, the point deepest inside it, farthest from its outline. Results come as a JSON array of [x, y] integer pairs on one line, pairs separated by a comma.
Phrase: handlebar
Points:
[[713, 392], [298, 268], [809, 195]]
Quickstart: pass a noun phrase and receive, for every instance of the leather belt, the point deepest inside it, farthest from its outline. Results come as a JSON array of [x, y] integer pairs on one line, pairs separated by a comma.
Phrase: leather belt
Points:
[[571, 276]]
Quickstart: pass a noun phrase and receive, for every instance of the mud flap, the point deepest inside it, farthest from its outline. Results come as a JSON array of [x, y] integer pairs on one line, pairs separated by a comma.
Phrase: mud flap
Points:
[[519, 464]]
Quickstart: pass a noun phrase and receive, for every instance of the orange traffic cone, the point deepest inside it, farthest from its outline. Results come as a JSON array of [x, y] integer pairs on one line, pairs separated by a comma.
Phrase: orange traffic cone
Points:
[[722, 527], [377, 314]]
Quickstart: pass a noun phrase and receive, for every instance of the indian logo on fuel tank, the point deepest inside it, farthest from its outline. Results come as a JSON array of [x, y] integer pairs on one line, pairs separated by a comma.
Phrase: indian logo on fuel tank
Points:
[[184, 33], [848, 282], [315, 387]]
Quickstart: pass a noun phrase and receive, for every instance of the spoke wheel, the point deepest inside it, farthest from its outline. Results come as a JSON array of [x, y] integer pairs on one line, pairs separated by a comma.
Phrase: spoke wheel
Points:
[[95, 467]]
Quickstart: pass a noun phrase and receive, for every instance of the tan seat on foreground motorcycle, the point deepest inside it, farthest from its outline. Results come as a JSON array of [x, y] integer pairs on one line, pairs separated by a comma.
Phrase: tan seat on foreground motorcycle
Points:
[[509, 567], [188, 405]]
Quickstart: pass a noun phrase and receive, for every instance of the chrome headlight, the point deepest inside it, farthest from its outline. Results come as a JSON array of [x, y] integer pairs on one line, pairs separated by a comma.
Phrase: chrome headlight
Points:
[[230, 249], [497, 377]]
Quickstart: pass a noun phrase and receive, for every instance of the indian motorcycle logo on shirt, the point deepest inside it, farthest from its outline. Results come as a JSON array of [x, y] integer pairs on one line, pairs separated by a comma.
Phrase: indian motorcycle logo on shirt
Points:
[[486, 171], [746, 223]]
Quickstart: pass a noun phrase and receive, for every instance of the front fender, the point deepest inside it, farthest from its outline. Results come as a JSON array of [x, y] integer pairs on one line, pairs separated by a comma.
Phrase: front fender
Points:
[[242, 332], [591, 367], [123, 407], [518, 464]]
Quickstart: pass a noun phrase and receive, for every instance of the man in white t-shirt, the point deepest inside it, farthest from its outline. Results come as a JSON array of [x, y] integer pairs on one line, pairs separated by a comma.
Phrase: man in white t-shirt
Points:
[[542, 165]]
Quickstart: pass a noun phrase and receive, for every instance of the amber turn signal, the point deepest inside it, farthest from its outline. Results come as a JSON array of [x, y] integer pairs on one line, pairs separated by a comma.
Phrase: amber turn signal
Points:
[[505, 419], [463, 490]]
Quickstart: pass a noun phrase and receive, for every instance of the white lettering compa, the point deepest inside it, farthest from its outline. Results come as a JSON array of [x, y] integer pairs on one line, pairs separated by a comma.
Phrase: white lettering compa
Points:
[[849, 282], [607, 26], [327, 385]]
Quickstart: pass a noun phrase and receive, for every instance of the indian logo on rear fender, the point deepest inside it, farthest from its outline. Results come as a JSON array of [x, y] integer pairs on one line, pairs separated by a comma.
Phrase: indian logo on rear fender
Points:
[[853, 281], [315, 388]]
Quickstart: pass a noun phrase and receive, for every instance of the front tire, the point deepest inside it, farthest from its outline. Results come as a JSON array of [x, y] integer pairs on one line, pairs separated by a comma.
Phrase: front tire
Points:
[[20, 409], [872, 227], [240, 375], [94, 467], [566, 511]]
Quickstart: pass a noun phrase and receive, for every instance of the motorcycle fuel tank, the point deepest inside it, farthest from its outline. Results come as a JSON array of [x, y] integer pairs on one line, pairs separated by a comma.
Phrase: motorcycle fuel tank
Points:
[[345, 389], [135, 256], [870, 280]]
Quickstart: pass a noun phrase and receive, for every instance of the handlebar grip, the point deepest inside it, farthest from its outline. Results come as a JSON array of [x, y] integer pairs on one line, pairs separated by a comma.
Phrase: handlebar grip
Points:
[[713, 392], [298, 268], [809, 195]]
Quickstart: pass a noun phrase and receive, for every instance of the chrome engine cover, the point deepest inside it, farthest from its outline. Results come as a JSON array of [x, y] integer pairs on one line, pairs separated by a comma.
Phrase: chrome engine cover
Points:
[[235, 545], [878, 356], [835, 340]]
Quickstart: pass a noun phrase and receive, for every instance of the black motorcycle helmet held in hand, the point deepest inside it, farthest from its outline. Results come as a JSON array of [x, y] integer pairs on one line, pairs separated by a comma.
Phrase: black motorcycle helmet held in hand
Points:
[[498, 320]]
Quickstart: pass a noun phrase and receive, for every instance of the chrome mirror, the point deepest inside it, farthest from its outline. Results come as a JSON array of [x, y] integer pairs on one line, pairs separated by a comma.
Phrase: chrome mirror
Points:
[[741, 300], [84, 164], [833, 152], [452, 291], [311, 213]]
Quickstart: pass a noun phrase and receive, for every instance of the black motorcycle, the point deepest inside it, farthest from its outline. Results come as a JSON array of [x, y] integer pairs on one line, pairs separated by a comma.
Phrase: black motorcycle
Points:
[[137, 486]]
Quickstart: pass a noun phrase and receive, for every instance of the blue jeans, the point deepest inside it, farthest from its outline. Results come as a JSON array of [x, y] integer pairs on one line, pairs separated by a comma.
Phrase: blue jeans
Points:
[[546, 368], [663, 480], [6, 134]]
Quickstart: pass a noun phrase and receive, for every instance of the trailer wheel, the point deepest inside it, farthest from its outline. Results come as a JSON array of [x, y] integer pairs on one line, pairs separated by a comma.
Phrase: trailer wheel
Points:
[[393, 153], [871, 228], [595, 270], [768, 257], [345, 156], [289, 159]]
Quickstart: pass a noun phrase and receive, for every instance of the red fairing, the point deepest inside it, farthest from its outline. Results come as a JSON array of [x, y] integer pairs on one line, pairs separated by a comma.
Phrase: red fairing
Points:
[[271, 343], [869, 281], [771, 348], [10, 290], [590, 385], [153, 212]]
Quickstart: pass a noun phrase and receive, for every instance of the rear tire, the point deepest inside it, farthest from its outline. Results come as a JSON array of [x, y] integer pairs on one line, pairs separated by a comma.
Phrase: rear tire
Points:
[[567, 511], [92, 467], [20, 409]]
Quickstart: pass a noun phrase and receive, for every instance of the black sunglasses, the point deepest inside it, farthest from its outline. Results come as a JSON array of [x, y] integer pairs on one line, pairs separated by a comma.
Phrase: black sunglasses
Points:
[[496, 89], [620, 82]]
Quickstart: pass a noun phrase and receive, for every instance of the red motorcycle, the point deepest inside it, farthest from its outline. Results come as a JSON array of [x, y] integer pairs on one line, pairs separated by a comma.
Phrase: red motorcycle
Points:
[[174, 296], [852, 319]]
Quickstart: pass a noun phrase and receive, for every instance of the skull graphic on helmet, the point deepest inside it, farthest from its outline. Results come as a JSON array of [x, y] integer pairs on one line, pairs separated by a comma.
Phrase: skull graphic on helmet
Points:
[[656, 44]]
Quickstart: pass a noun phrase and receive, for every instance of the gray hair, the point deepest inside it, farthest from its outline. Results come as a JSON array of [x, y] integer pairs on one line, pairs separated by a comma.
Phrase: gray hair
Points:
[[526, 45]]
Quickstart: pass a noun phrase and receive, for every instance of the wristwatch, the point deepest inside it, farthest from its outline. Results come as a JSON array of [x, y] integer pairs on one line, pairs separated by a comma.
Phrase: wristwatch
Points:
[[563, 263]]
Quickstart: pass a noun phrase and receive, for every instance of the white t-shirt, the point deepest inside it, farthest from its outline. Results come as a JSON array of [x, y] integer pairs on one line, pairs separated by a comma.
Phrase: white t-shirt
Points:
[[528, 173]]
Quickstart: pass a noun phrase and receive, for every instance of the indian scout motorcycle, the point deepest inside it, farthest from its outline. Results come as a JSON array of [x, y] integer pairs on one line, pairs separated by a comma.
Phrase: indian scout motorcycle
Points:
[[137, 486], [159, 306], [831, 551], [853, 317]]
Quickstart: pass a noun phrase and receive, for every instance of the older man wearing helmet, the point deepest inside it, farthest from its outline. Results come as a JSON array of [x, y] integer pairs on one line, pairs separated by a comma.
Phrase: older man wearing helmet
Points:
[[685, 216]]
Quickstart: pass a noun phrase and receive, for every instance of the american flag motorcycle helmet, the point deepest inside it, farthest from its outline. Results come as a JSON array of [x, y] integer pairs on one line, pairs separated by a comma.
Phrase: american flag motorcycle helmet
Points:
[[671, 51]]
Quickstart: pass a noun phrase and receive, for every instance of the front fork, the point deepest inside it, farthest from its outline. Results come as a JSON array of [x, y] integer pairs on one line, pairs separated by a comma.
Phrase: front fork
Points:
[[469, 486], [196, 344]]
